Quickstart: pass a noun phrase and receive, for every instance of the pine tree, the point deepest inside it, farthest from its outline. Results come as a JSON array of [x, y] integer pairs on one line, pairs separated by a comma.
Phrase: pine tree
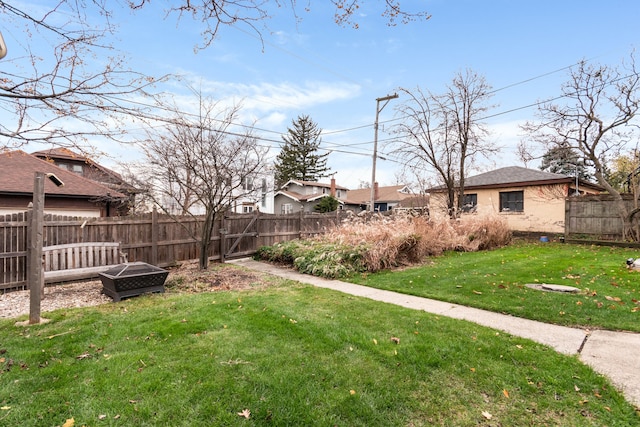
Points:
[[327, 204], [565, 160], [299, 158]]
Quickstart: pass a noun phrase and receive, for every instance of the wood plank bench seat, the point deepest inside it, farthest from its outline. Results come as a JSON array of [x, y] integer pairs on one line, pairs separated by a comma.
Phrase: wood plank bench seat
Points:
[[76, 261]]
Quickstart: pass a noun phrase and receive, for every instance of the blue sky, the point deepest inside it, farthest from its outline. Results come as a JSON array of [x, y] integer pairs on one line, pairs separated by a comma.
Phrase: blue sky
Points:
[[334, 74]]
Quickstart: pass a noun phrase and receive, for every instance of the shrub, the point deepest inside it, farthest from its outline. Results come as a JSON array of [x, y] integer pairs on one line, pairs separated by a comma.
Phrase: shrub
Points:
[[378, 242], [317, 257]]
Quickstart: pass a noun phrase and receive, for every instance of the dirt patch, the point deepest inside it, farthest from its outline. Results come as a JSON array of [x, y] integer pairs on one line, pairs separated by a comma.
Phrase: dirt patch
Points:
[[189, 278], [186, 278]]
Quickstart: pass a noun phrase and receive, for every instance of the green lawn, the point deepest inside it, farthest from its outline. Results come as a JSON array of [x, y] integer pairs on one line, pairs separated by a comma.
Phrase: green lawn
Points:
[[495, 280], [291, 355]]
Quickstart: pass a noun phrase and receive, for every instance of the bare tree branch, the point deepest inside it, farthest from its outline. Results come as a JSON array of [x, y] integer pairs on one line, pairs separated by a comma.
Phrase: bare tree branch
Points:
[[597, 118], [444, 132], [77, 88], [199, 166]]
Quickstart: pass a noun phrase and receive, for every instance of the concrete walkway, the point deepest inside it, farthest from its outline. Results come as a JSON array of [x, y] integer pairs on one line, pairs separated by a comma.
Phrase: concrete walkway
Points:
[[614, 354]]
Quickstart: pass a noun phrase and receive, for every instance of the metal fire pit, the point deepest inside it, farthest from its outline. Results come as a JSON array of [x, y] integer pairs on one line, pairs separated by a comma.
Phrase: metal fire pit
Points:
[[132, 279]]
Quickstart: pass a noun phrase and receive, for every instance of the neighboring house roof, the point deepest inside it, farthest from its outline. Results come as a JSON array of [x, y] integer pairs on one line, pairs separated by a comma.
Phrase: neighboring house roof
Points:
[[517, 176], [100, 173], [313, 184], [18, 171], [301, 197], [60, 153], [392, 193]]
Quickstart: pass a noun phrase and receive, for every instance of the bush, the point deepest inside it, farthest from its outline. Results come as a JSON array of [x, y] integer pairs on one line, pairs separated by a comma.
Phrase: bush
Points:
[[316, 257], [378, 243]]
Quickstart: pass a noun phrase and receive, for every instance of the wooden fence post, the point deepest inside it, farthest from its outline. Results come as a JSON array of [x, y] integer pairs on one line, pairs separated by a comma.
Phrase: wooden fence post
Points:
[[34, 257], [154, 236], [300, 223], [222, 232]]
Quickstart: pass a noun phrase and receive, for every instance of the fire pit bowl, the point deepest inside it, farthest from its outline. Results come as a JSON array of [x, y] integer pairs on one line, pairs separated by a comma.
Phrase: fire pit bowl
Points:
[[132, 279]]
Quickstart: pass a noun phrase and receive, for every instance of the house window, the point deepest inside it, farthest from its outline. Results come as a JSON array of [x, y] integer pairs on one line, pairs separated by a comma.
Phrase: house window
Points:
[[247, 208], [512, 201], [469, 203], [247, 183], [263, 200], [287, 208], [338, 194], [77, 169]]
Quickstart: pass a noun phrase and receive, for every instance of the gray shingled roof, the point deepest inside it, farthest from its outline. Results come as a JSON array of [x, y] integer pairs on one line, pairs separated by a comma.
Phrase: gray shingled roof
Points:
[[512, 175], [517, 176]]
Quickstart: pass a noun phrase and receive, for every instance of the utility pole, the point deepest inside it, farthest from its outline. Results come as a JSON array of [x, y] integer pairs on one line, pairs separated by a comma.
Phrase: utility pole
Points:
[[386, 100]]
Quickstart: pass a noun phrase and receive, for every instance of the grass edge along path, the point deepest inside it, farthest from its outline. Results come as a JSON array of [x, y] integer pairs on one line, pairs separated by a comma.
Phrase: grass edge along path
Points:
[[288, 355], [496, 280]]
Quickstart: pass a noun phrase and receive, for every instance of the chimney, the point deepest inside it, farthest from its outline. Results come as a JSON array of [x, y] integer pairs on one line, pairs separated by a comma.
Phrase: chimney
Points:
[[333, 187], [376, 193]]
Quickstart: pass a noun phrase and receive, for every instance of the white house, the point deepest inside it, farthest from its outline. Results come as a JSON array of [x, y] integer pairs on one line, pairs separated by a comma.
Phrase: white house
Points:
[[296, 196]]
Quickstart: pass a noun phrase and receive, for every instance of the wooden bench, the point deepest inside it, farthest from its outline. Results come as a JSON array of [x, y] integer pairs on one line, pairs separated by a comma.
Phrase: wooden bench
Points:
[[77, 261]]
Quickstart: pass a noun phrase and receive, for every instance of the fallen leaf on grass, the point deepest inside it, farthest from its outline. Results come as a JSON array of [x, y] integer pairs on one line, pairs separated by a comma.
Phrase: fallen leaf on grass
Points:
[[506, 393], [576, 388], [245, 414], [69, 423], [477, 292], [5, 408], [616, 299], [395, 340], [352, 392], [487, 415], [375, 341], [84, 355]]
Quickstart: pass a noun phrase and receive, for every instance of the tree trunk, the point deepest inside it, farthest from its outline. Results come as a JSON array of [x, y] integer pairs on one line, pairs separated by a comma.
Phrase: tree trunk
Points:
[[205, 241], [627, 218]]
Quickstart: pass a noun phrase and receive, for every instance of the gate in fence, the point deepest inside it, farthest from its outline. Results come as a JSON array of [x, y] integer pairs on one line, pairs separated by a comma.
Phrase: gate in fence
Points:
[[154, 238]]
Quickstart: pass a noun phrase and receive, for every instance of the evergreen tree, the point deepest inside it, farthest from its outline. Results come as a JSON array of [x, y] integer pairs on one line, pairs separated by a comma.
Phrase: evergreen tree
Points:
[[299, 158], [564, 160], [327, 204]]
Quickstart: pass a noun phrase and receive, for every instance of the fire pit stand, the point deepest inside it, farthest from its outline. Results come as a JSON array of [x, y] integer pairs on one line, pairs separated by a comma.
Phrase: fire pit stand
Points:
[[132, 279]]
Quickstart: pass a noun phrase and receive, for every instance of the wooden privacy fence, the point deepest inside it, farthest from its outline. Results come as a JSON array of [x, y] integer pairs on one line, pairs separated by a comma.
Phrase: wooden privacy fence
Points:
[[155, 238], [594, 217]]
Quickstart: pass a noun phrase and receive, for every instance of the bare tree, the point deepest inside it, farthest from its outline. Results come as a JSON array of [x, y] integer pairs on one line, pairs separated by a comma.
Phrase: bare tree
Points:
[[595, 118], [60, 95], [214, 14], [77, 87], [199, 164], [445, 133]]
